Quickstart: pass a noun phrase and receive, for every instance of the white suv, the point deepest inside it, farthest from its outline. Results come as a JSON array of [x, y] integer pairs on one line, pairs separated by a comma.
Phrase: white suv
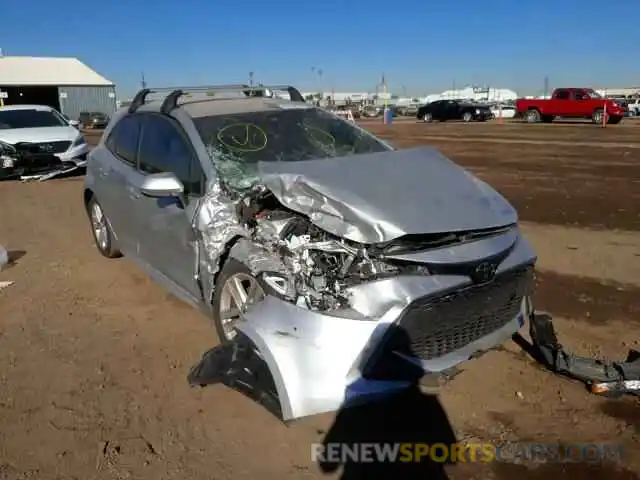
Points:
[[45, 127]]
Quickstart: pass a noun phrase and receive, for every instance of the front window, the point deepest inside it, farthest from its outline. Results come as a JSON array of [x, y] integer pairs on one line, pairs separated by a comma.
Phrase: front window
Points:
[[29, 119], [238, 142], [593, 94]]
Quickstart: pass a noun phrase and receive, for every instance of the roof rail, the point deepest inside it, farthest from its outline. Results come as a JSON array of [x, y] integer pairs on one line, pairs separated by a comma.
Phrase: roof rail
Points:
[[171, 100], [139, 99]]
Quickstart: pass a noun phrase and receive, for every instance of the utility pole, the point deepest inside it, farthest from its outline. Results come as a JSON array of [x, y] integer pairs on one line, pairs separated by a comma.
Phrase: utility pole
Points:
[[143, 82], [546, 86], [251, 79]]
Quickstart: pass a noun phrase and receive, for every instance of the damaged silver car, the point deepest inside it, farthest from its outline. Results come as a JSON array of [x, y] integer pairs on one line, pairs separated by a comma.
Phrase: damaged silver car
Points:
[[337, 260]]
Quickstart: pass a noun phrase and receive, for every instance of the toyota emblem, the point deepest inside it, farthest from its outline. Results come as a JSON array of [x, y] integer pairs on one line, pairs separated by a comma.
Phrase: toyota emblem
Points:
[[46, 147], [484, 272]]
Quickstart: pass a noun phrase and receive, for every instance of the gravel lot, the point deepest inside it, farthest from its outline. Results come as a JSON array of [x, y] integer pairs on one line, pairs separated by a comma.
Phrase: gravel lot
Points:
[[94, 356]]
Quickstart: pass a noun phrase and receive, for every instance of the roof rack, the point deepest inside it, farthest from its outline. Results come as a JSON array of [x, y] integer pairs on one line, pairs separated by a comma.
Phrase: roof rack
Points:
[[171, 100]]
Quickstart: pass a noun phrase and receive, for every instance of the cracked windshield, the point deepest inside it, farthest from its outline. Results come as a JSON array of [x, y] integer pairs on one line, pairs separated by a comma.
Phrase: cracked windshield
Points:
[[238, 142]]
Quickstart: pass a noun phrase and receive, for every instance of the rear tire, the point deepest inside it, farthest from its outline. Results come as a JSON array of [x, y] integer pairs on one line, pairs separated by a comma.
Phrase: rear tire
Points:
[[533, 116], [427, 118], [101, 230]]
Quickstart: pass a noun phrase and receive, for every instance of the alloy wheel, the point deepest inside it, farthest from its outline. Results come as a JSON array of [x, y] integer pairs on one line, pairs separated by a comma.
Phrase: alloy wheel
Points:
[[239, 292], [99, 224]]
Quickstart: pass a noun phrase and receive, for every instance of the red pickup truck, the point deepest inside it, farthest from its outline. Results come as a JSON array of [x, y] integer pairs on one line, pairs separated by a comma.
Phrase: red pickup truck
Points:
[[570, 103]]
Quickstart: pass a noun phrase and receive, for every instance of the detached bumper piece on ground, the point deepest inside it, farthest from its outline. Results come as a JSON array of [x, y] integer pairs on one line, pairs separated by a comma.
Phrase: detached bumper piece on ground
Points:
[[27, 161], [240, 366], [605, 378]]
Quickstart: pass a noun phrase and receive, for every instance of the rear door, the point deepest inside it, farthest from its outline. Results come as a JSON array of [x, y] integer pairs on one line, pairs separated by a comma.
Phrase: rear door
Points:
[[562, 104], [582, 104], [115, 162], [167, 240]]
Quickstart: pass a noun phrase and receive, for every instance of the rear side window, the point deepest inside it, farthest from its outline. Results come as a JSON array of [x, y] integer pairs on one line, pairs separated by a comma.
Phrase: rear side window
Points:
[[123, 140], [562, 94], [163, 148]]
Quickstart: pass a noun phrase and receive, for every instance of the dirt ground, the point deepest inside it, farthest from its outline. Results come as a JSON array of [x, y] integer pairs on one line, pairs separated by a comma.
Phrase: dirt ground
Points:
[[94, 356]]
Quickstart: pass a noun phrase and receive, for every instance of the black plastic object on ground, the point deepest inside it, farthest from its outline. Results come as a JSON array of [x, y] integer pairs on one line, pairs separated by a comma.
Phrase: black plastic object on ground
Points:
[[238, 365], [602, 377]]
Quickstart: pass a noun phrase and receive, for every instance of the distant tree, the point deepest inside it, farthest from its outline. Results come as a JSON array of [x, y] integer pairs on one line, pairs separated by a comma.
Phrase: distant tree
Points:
[[211, 94]]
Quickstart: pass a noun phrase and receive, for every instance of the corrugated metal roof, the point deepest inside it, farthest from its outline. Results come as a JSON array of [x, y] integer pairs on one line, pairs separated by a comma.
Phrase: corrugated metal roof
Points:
[[47, 71]]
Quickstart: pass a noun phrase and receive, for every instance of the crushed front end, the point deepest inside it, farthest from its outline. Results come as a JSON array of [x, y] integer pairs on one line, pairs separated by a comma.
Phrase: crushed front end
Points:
[[25, 160], [345, 322]]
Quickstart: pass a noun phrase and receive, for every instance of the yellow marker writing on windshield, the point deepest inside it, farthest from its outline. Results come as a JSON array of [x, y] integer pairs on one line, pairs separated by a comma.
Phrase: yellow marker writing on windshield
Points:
[[243, 137], [321, 136]]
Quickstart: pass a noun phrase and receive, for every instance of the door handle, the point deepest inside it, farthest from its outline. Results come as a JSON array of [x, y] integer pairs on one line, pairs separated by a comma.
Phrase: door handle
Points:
[[133, 192]]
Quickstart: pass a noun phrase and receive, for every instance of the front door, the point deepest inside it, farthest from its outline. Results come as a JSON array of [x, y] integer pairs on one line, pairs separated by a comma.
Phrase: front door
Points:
[[167, 240]]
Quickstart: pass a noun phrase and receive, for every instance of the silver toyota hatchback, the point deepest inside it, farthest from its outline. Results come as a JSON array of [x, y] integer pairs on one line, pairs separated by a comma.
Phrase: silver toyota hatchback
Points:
[[328, 251]]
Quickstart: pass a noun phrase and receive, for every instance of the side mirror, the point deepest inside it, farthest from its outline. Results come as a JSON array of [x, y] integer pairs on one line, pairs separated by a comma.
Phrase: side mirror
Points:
[[164, 184], [74, 123]]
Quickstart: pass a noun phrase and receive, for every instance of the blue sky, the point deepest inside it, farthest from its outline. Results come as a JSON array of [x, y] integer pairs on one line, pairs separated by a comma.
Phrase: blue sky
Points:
[[425, 46]]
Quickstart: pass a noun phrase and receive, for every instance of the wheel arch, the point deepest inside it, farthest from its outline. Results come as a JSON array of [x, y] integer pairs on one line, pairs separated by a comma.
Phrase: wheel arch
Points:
[[87, 195]]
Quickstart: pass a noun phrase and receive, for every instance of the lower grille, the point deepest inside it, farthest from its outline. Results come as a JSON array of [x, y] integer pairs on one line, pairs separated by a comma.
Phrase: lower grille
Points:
[[52, 147], [432, 327]]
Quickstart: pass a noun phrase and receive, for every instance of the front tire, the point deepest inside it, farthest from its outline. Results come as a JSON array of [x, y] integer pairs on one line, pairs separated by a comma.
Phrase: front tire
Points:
[[236, 289], [101, 230], [467, 117], [597, 116]]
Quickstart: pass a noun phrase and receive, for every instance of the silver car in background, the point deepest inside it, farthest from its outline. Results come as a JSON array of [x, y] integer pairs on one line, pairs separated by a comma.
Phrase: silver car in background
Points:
[[329, 252]]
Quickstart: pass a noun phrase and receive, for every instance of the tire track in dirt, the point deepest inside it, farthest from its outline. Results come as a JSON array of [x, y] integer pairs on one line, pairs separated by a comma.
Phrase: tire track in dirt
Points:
[[524, 141], [576, 186], [512, 130]]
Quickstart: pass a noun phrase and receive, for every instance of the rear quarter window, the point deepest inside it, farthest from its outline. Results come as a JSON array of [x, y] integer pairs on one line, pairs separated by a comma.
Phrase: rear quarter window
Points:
[[123, 139]]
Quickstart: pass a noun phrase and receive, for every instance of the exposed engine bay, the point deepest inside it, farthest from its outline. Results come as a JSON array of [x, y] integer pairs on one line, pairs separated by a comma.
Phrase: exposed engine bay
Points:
[[24, 160], [313, 268], [317, 267]]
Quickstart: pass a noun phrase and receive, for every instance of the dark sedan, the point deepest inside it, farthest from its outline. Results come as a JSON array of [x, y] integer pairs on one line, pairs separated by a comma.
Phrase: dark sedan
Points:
[[93, 119], [443, 110]]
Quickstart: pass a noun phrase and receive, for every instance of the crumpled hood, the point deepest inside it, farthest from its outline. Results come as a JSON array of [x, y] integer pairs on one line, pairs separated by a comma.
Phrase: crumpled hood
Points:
[[39, 135], [377, 197]]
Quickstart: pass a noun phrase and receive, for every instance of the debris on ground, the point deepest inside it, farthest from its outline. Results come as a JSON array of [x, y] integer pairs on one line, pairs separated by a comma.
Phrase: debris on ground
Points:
[[5, 284], [41, 177], [602, 377]]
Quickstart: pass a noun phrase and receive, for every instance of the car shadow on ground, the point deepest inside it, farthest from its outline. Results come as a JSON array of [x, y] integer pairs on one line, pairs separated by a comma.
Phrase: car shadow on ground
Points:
[[408, 417]]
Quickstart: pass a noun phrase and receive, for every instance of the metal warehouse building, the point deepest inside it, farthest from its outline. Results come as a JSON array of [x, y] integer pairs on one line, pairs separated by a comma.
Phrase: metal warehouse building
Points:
[[66, 84]]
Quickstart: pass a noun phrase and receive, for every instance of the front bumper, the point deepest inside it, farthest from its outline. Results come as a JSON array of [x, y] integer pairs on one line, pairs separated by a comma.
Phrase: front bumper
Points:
[[320, 362], [77, 155]]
